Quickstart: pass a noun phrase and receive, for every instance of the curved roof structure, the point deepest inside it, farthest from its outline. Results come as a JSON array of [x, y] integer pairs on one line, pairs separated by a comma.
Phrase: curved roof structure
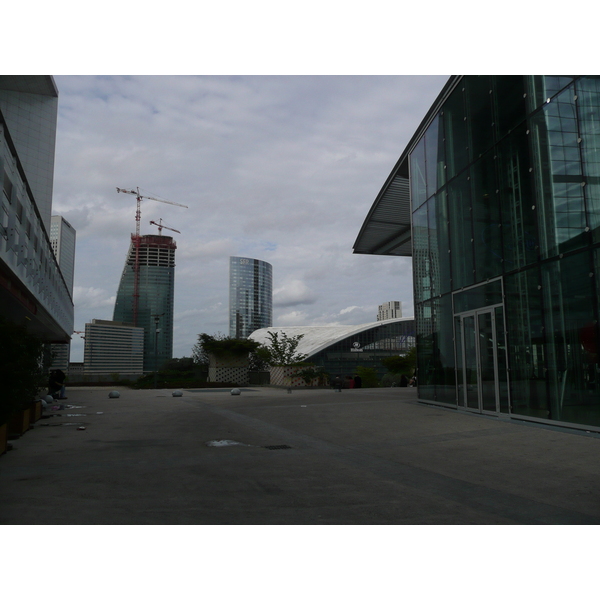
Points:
[[317, 338]]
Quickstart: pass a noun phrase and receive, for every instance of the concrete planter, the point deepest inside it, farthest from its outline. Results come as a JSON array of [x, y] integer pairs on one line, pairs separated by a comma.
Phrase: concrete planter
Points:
[[288, 376], [228, 369], [35, 411], [3, 438], [19, 423]]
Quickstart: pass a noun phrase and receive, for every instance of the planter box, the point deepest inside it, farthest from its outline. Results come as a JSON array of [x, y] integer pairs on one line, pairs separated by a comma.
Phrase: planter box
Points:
[[288, 376], [19, 423], [3, 438], [35, 412], [228, 369]]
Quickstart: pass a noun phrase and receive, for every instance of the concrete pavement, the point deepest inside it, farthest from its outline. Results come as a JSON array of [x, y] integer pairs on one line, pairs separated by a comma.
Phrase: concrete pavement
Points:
[[363, 456]]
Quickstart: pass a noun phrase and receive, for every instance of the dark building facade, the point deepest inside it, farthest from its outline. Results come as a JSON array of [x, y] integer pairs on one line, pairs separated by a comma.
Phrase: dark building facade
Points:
[[250, 295], [156, 290], [33, 289], [497, 198]]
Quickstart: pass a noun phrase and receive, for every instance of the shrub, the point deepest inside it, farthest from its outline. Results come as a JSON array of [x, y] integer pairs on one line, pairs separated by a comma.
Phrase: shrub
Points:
[[23, 368], [368, 376]]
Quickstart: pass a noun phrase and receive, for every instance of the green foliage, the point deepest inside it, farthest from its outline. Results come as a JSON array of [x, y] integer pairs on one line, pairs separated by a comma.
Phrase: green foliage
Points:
[[23, 368], [222, 347], [401, 365], [171, 379], [310, 373], [368, 375], [281, 351], [179, 364], [392, 379]]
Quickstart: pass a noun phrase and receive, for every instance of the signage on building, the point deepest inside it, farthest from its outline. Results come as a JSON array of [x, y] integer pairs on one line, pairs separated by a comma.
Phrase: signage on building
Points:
[[356, 347]]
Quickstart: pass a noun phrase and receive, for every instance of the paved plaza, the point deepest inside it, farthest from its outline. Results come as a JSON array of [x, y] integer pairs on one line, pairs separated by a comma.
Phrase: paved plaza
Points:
[[362, 456]]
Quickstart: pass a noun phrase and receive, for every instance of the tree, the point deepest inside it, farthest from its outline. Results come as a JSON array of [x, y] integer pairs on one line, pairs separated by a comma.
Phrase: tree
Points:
[[368, 376], [401, 365], [222, 347], [281, 351], [310, 373], [179, 364]]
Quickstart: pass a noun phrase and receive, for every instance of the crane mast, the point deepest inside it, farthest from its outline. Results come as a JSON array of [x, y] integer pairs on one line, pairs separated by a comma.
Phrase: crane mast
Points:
[[137, 243]]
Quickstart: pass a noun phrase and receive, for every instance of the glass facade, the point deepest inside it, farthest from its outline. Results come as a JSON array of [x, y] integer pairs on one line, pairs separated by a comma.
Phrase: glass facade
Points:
[[505, 195], [250, 295], [62, 239], [366, 348], [156, 289]]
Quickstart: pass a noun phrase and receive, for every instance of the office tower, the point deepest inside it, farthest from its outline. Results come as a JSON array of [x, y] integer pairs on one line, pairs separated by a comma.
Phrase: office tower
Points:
[[113, 347], [32, 289], [62, 239], [389, 310], [250, 295], [155, 296]]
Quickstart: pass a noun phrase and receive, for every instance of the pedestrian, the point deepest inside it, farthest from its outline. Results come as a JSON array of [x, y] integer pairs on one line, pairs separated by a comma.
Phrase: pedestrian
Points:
[[56, 384], [337, 383]]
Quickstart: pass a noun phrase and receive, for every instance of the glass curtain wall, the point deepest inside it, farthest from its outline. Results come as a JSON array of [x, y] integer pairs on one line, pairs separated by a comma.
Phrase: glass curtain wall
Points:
[[505, 186]]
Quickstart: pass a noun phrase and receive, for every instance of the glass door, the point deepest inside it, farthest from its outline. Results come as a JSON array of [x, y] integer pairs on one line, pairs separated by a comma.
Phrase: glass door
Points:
[[478, 352]]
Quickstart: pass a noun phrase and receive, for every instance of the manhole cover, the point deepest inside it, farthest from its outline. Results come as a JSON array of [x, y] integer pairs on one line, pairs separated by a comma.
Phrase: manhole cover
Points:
[[280, 447]]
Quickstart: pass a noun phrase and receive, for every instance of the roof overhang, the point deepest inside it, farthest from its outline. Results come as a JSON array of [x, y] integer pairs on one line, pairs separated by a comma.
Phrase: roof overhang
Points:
[[43, 85], [387, 228]]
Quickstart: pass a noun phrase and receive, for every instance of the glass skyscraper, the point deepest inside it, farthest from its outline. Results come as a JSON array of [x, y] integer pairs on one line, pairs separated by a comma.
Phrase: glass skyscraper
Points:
[[250, 295], [155, 296], [499, 191], [62, 239]]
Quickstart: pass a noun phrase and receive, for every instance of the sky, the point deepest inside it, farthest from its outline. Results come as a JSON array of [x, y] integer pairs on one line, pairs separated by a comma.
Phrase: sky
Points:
[[275, 167]]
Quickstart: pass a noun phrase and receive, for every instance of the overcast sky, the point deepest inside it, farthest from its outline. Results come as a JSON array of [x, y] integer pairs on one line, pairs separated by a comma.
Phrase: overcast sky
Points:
[[280, 168]]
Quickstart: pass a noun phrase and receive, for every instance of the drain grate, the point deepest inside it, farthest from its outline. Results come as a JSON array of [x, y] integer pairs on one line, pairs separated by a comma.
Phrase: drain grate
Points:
[[281, 447]]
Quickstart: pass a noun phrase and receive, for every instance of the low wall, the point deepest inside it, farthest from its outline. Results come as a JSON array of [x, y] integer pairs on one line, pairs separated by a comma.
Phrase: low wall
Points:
[[288, 376], [228, 370]]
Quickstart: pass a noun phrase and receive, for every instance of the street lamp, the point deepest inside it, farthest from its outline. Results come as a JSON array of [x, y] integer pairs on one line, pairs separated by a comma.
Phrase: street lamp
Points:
[[156, 332]]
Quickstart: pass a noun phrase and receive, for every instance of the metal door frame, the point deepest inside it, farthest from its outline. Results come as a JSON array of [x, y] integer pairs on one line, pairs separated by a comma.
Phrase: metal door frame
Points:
[[462, 402]]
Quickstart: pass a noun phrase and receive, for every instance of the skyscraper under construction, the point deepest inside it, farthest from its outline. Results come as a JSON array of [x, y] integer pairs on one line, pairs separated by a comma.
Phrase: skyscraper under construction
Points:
[[150, 303]]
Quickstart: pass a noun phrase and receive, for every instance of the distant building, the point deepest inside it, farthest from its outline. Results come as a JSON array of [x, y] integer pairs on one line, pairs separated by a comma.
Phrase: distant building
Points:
[[113, 347], [60, 356], [389, 310], [62, 240], [339, 349], [250, 295], [155, 296], [33, 291]]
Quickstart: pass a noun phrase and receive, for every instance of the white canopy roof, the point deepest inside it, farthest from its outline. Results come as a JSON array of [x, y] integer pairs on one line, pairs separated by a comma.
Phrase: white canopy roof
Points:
[[317, 338]]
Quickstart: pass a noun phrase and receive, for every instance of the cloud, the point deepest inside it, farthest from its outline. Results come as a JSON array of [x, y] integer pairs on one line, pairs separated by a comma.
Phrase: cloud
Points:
[[92, 297], [293, 293], [279, 168]]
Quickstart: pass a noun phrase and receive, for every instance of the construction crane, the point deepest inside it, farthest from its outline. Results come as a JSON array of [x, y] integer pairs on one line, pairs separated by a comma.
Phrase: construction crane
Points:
[[136, 239], [138, 212], [161, 227]]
